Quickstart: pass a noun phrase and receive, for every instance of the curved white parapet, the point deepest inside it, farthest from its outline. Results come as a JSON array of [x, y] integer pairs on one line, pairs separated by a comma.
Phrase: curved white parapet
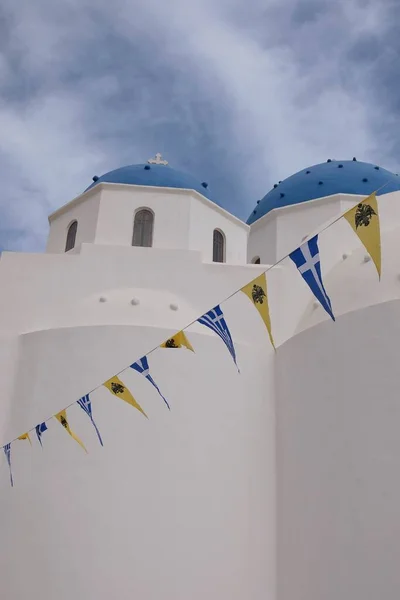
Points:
[[338, 449], [181, 505]]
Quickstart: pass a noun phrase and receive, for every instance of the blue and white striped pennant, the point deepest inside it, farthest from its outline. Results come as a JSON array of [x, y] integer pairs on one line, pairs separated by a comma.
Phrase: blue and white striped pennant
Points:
[[214, 319], [41, 428], [86, 405], [142, 366], [306, 259], [7, 452]]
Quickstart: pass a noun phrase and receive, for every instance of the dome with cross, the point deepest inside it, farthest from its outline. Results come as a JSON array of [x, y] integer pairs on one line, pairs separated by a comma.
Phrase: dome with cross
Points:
[[155, 172], [327, 179]]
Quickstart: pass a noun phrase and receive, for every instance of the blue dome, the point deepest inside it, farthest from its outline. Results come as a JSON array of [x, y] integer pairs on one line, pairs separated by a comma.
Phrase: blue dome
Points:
[[153, 175], [332, 177]]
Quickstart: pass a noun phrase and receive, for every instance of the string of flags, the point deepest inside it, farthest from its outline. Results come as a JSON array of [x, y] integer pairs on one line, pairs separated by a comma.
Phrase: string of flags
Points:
[[364, 221]]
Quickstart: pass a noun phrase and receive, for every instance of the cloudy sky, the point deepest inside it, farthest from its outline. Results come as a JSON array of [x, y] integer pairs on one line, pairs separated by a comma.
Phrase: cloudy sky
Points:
[[238, 93]]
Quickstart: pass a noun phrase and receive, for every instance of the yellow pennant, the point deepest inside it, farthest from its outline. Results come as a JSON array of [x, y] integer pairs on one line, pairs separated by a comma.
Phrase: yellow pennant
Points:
[[62, 418], [256, 290], [364, 220], [177, 341], [25, 436], [117, 388]]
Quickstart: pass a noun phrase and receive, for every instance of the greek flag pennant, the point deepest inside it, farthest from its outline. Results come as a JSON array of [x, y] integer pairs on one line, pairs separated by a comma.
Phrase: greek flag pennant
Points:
[[86, 405], [214, 319], [40, 429], [142, 366], [62, 418], [306, 259], [7, 452]]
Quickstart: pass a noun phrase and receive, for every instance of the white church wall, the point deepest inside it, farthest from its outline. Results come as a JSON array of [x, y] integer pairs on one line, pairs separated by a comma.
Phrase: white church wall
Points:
[[85, 212], [338, 445], [262, 240], [353, 283], [183, 220], [9, 355], [193, 491], [338, 242], [345, 266], [294, 223], [120, 203], [282, 230], [204, 218], [181, 505]]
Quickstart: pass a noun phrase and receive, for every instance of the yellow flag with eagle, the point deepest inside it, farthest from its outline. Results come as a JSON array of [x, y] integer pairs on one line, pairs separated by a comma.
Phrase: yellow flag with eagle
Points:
[[62, 418], [120, 390], [256, 291], [177, 341], [364, 221]]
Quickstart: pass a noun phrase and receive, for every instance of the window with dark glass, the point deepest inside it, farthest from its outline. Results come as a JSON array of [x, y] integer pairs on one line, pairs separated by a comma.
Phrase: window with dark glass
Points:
[[71, 236], [218, 246], [256, 260], [143, 228]]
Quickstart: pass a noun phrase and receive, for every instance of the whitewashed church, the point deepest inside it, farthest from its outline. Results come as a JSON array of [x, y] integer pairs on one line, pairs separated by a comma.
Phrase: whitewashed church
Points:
[[281, 482]]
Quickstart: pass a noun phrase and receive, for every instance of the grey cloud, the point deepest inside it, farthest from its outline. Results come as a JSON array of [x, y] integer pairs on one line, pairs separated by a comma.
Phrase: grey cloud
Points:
[[239, 94]]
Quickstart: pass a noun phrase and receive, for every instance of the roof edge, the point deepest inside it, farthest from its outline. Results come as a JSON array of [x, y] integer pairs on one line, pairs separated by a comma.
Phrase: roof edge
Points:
[[145, 188]]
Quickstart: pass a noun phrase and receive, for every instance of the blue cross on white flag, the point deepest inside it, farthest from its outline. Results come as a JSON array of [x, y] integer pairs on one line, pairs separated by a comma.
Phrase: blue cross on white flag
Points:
[[41, 428], [142, 366], [86, 405], [214, 319], [306, 259], [7, 452]]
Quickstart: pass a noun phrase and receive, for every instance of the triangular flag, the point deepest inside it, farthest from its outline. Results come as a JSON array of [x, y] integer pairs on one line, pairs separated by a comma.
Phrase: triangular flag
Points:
[[120, 390], [142, 367], [214, 319], [177, 341], [25, 436], [364, 221], [7, 452], [40, 429], [306, 259], [62, 418], [256, 290], [86, 405]]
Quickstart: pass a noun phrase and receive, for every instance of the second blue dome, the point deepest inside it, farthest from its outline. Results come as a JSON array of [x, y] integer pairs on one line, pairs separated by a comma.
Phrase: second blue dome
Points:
[[326, 179]]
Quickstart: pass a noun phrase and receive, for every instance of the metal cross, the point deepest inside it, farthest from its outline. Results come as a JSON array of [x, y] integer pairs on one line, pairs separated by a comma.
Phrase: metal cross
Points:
[[157, 160]]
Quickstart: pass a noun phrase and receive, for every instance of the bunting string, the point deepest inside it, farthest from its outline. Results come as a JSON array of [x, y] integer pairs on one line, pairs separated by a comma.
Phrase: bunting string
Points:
[[359, 217]]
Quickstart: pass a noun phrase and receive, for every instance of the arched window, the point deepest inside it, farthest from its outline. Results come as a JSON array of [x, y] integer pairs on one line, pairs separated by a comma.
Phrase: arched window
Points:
[[256, 260], [143, 228], [218, 246], [71, 236]]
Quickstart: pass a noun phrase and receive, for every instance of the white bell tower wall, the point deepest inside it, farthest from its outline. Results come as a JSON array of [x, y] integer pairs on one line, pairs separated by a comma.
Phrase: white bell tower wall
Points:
[[183, 220]]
